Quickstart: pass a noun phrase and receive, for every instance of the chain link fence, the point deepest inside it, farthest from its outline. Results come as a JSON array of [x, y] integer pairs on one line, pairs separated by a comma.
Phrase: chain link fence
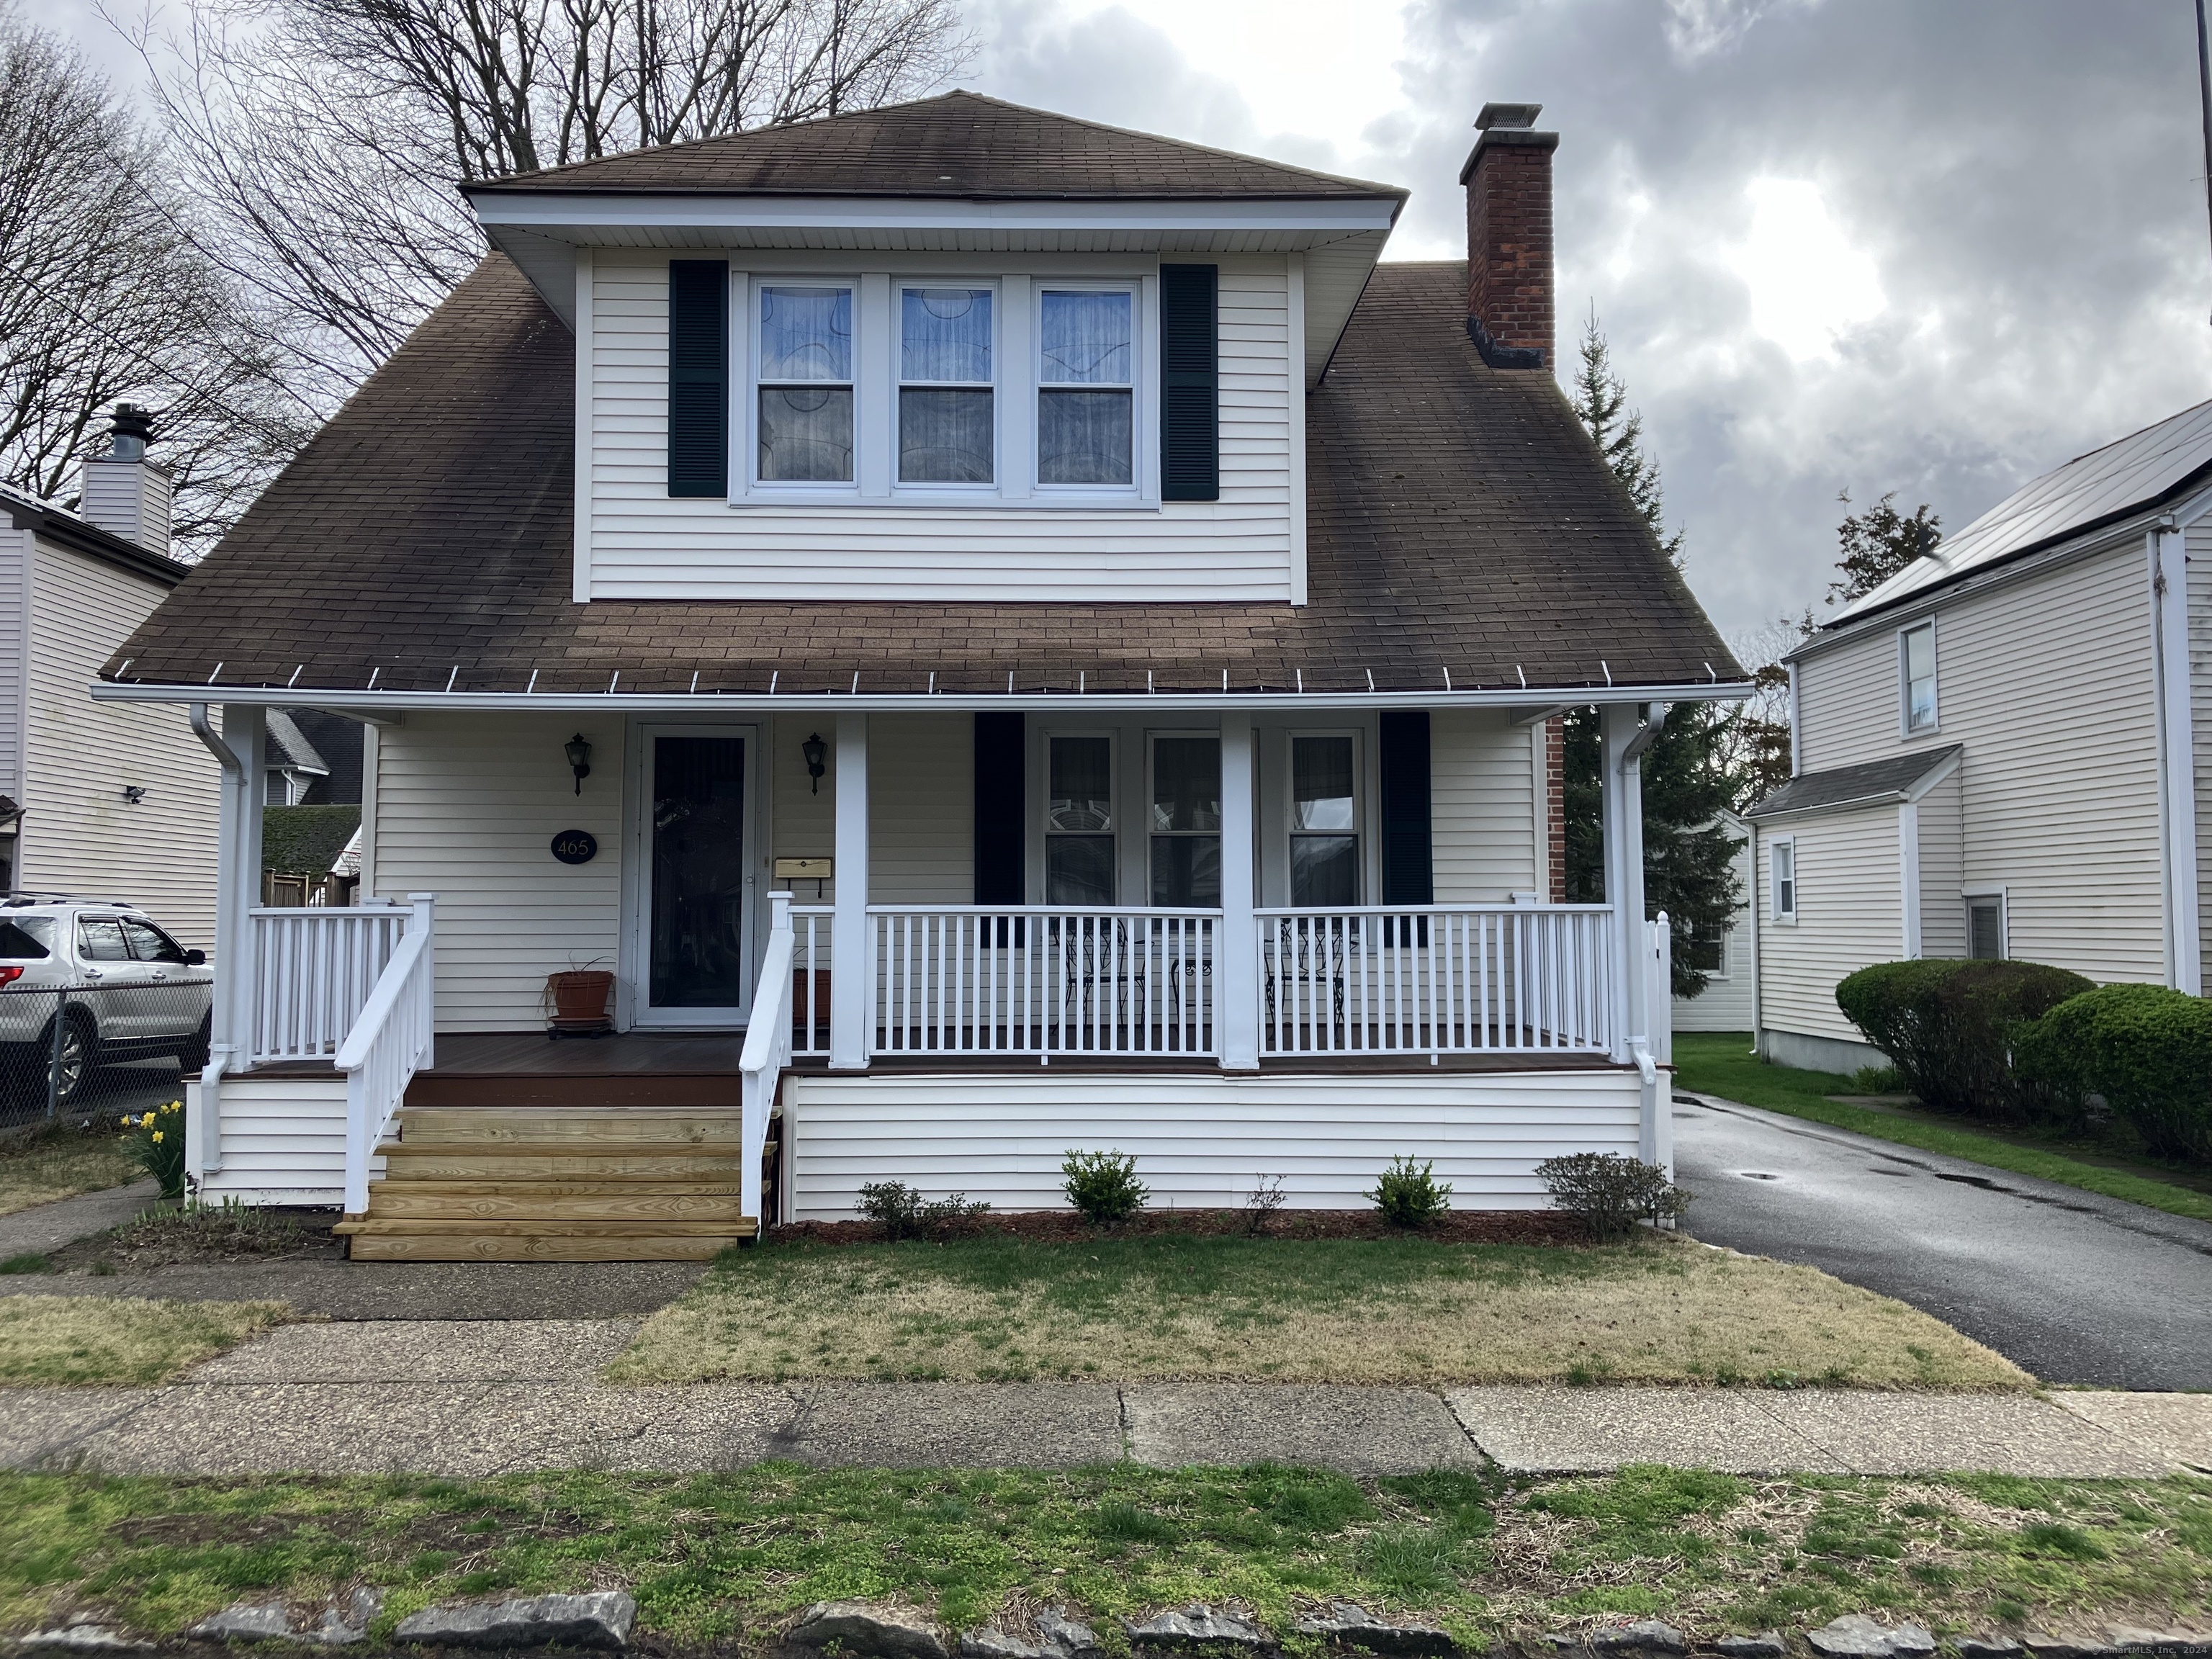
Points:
[[89, 1052]]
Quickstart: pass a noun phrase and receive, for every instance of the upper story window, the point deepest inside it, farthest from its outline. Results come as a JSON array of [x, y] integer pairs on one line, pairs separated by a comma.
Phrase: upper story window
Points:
[[1186, 820], [947, 424], [805, 385], [1324, 818], [1916, 675], [1086, 387], [1078, 821]]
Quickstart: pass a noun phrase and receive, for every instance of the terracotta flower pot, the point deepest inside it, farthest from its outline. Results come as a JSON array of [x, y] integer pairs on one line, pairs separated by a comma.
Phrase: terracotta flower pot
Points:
[[580, 999]]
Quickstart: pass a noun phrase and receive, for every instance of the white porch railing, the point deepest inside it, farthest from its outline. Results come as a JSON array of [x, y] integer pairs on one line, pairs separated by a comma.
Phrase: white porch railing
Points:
[[1437, 979], [811, 926], [766, 1054], [314, 971], [390, 1042], [1043, 979]]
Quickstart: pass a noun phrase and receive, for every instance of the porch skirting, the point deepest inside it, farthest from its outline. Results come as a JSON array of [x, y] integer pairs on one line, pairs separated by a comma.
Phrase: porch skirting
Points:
[[1201, 1141]]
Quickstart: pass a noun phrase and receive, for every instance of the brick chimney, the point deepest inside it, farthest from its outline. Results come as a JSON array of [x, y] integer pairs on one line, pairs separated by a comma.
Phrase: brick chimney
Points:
[[1509, 238], [122, 491]]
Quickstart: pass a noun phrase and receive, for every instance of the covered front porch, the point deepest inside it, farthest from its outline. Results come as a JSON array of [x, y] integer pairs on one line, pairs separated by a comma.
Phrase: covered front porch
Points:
[[898, 945]]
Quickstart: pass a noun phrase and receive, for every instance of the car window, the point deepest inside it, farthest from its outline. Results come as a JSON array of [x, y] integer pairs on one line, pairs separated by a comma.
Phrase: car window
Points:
[[149, 944], [29, 939], [100, 939]]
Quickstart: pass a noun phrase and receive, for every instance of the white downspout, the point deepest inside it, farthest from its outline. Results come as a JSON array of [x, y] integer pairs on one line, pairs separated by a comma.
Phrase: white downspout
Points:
[[2176, 769]]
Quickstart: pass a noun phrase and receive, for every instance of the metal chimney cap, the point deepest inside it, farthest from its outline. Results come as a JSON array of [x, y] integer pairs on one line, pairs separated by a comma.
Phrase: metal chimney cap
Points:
[[1507, 115], [131, 431]]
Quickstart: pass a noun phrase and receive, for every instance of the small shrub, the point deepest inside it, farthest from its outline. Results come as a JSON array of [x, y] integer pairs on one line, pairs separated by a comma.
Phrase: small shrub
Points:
[[1260, 1204], [1611, 1192], [1948, 1028], [1104, 1186], [1408, 1195], [156, 1143], [1876, 1080], [904, 1213], [2147, 1050]]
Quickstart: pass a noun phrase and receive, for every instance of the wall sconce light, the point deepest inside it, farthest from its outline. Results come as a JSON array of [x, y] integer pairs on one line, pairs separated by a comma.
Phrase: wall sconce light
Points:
[[817, 757], [580, 759], [134, 793]]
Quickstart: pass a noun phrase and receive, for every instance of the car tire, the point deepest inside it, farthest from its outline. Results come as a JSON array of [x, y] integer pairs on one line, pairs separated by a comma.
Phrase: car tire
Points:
[[193, 1056], [80, 1058]]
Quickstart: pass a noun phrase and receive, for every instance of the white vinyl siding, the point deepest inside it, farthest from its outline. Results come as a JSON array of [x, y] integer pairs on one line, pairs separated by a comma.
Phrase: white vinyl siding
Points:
[[2198, 548], [1728, 1002], [922, 809], [645, 545], [467, 806], [1848, 916], [1482, 807], [15, 616], [2047, 681], [284, 1140], [79, 835], [803, 816], [1201, 1141], [1942, 867]]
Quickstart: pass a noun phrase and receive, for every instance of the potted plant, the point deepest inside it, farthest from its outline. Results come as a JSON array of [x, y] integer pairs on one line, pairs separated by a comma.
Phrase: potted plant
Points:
[[576, 1002]]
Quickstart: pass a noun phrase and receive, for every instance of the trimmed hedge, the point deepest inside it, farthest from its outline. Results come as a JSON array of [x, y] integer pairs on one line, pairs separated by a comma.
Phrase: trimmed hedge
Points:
[[2147, 1050], [1948, 1027]]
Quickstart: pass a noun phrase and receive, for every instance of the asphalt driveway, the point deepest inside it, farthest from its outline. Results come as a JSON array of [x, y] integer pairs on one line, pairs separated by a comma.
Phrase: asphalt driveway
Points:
[[2076, 1287]]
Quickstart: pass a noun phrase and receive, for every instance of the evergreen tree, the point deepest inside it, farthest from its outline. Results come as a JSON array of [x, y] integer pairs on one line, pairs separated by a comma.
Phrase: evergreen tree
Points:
[[1879, 543], [1688, 855]]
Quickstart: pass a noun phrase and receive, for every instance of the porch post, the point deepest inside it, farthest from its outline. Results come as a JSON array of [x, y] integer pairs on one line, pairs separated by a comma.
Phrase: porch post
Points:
[[852, 975], [1623, 735], [1236, 953], [238, 889]]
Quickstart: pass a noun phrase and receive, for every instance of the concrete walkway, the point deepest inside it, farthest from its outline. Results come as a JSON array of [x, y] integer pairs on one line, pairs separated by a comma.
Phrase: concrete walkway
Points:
[[44, 1227], [479, 1399]]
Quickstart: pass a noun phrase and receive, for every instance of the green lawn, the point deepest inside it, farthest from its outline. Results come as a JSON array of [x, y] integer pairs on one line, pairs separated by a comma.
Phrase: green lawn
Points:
[[102, 1341], [1720, 1063], [62, 1163], [1400, 1310], [719, 1561]]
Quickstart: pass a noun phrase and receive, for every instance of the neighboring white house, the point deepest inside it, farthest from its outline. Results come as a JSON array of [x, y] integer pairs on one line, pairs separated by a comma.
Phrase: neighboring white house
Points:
[[1730, 1001], [110, 801], [2003, 750], [1127, 617]]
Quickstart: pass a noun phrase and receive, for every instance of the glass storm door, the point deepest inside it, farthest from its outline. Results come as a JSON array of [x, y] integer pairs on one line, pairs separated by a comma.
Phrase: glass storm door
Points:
[[698, 960]]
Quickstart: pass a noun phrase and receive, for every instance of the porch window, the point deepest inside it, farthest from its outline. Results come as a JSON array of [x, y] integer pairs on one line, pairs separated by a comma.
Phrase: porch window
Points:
[[1086, 390], [946, 430], [1078, 823], [1186, 821], [1324, 820], [1782, 866], [1916, 667], [805, 385]]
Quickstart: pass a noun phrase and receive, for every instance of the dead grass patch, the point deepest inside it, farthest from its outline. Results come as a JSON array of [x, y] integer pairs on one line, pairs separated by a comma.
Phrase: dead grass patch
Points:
[[119, 1341], [1400, 1311], [59, 1164]]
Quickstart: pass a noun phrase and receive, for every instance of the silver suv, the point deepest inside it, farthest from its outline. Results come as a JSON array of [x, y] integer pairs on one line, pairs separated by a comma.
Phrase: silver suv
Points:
[[122, 988]]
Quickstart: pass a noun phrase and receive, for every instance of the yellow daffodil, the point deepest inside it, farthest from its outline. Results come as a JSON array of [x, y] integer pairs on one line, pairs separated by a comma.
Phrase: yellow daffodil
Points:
[[147, 1122], [157, 1136]]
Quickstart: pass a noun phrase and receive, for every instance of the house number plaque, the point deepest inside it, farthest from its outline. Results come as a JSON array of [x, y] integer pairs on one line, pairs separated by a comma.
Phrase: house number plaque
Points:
[[575, 847]]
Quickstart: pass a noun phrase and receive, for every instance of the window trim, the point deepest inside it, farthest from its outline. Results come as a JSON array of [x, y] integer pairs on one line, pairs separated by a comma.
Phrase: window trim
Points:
[[942, 490], [1117, 809], [1775, 912], [1143, 487], [1362, 748], [1905, 729], [1968, 900], [780, 490]]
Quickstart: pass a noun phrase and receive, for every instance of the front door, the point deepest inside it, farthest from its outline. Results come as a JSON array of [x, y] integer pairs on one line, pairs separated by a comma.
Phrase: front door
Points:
[[695, 912]]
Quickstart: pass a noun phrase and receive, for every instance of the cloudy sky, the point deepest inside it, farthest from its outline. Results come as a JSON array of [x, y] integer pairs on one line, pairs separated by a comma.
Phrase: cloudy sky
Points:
[[1863, 244]]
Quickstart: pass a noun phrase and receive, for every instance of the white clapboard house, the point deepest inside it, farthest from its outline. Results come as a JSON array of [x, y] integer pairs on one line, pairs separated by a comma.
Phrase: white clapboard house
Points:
[[101, 800], [1002, 636], [2005, 749]]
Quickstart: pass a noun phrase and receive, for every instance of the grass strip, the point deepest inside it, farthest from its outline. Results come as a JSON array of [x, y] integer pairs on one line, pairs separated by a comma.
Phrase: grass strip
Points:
[[119, 1341], [61, 1163], [1404, 1310], [1719, 1063], [719, 1561]]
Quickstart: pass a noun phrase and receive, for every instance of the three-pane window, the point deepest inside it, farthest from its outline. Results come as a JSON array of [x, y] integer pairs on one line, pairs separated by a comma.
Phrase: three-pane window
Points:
[[1917, 648], [1078, 821], [806, 385], [1187, 821], [1086, 379], [1324, 820], [947, 432]]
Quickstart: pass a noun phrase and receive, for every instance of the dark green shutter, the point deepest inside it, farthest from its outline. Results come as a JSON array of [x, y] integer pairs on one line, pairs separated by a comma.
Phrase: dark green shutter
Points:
[[1190, 384], [698, 377], [1408, 876], [1001, 809]]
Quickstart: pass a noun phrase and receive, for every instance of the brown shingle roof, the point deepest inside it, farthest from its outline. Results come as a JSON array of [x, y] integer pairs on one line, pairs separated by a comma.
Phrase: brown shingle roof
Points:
[[1460, 523], [960, 145]]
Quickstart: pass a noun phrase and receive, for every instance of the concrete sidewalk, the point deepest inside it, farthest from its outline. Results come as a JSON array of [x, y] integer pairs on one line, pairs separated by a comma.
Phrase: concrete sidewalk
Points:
[[45, 1227], [477, 1399]]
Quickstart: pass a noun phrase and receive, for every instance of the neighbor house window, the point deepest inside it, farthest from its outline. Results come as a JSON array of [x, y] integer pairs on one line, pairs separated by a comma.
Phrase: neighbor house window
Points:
[[1078, 821], [1324, 819], [1186, 827], [1985, 927], [805, 384], [1917, 651], [1086, 386], [1704, 949], [1781, 865], [947, 430]]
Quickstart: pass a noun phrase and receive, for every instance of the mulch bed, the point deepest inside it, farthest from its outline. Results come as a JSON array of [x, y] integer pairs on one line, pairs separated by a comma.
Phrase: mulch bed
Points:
[[1068, 1227], [173, 1237]]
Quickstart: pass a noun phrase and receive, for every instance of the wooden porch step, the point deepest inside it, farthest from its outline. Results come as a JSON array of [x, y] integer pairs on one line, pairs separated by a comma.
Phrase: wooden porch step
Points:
[[611, 1161], [438, 1200], [486, 1246], [374, 1225], [502, 1126]]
